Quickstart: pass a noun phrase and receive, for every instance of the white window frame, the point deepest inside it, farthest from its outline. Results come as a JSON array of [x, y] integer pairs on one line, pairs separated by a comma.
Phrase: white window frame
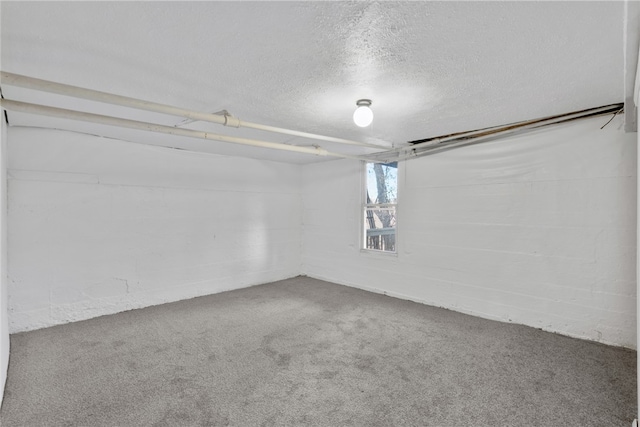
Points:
[[364, 206]]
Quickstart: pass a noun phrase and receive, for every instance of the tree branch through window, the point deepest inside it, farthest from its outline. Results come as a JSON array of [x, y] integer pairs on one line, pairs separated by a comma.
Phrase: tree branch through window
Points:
[[380, 206]]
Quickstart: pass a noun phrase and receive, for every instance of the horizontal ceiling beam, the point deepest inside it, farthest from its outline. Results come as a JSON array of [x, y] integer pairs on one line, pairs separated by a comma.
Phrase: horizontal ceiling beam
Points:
[[12, 79], [438, 144], [25, 107]]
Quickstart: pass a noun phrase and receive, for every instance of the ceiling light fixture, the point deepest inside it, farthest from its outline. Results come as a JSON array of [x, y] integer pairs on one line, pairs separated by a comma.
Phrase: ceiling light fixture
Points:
[[363, 116]]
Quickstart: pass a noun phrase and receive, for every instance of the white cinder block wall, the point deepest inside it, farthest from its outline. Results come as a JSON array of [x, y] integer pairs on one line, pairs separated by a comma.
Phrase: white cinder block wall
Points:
[[537, 230], [4, 319], [99, 226]]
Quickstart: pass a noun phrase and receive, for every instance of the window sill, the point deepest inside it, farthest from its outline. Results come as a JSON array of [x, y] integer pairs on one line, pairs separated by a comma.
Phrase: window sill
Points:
[[375, 253]]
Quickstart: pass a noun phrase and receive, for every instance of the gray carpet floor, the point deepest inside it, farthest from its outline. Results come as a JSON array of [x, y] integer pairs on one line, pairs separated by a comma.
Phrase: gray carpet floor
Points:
[[306, 352]]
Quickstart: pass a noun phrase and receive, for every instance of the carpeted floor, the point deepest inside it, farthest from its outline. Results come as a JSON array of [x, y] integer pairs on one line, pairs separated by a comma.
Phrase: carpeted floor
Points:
[[307, 352]]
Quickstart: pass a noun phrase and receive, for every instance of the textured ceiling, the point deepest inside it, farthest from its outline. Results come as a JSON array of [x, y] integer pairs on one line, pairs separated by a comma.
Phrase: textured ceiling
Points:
[[431, 68]]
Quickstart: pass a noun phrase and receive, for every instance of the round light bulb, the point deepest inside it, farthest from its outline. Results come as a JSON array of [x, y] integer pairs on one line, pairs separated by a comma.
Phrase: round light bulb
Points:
[[363, 116]]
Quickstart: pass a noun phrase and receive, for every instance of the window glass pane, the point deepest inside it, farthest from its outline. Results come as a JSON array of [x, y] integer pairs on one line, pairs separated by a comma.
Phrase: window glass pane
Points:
[[382, 183], [380, 229]]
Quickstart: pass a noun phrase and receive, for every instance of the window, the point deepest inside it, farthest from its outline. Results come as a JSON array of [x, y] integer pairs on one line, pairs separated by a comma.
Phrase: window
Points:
[[381, 197]]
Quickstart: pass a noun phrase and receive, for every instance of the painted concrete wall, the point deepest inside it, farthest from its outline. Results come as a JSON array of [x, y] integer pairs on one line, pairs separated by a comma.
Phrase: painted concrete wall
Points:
[[99, 226], [4, 319], [637, 257], [536, 230]]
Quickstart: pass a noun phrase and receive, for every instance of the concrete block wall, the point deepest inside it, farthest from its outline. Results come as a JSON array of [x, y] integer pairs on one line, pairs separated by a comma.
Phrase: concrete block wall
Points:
[[99, 226], [4, 318], [538, 229]]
